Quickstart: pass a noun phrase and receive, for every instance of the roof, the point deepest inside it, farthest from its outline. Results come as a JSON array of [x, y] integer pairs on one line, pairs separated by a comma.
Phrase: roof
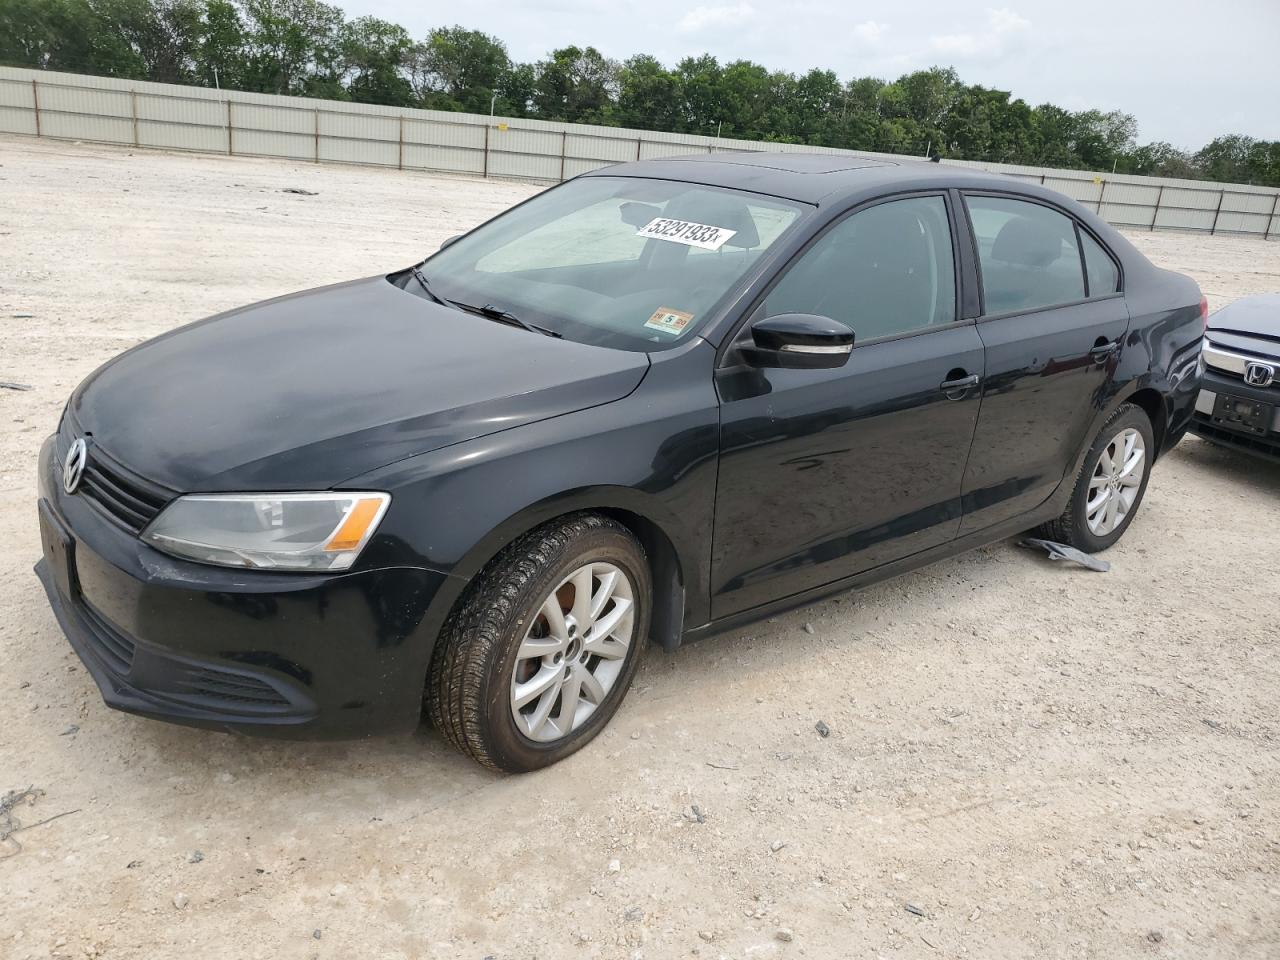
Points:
[[808, 177]]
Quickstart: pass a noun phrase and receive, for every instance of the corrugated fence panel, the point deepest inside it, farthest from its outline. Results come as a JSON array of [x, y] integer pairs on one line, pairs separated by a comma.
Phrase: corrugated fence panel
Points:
[[223, 121], [267, 143], [18, 120], [84, 101], [610, 149], [17, 93]]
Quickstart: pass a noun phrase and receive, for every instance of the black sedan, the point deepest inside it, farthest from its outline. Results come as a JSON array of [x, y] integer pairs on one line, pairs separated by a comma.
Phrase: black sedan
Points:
[[1239, 402], [655, 402]]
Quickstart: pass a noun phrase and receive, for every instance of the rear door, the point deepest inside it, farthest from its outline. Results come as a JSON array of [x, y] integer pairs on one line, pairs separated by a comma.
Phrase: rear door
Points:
[[824, 473], [1053, 325]]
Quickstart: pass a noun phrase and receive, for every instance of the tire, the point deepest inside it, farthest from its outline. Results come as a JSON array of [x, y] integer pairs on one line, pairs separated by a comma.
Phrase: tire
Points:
[[1079, 526], [482, 661]]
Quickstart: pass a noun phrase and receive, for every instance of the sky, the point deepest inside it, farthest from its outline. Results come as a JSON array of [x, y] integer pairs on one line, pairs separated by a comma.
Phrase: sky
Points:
[[1188, 70]]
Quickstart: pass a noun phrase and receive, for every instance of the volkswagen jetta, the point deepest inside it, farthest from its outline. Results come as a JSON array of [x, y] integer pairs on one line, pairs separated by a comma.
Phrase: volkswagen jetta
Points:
[[652, 403]]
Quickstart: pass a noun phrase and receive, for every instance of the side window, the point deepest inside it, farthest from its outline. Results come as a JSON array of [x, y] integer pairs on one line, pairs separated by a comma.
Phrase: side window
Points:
[[1104, 278], [1028, 252], [883, 271]]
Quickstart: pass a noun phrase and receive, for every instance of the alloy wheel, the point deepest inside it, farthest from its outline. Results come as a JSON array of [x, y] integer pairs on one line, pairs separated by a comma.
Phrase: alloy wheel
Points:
[[573, 652], [1116, 481]]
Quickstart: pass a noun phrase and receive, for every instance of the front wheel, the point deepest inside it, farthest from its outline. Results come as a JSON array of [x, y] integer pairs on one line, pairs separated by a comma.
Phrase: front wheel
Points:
[[1111, 484], [541, 650]]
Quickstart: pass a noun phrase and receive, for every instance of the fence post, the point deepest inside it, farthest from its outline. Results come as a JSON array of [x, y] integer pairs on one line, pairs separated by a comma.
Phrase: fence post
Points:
[[1217, 213], [486, 150], [317, 131], [229, 150], [1275, 204], [1155, 215], [133, 102], [564, 149], [1101, 193], [400, 157], [639, 144], [35, 100]]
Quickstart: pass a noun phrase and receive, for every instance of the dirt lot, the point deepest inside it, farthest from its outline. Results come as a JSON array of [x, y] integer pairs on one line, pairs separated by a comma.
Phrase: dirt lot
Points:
[[1025, 760]]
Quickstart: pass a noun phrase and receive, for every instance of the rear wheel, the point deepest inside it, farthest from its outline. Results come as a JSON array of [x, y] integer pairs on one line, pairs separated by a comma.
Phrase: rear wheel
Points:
[[541, 650], [1111, 484]]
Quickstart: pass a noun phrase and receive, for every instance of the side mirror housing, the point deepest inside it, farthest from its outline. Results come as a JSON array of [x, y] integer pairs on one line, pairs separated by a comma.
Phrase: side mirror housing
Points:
[[799, 341]]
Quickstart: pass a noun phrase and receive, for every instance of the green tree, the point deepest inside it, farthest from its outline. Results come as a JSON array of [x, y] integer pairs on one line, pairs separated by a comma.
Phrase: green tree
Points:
[[459, 69], [699, 81], [577, 84], [375, 54], [1159, 160], [648, 95], [291, 46]]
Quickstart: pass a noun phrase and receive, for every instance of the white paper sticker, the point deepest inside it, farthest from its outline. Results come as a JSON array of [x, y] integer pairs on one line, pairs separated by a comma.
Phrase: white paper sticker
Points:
[[684, 231], [669, 321]]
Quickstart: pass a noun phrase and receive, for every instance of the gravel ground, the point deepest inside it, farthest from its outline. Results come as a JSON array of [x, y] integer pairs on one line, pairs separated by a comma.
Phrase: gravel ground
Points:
[[1024, 760]]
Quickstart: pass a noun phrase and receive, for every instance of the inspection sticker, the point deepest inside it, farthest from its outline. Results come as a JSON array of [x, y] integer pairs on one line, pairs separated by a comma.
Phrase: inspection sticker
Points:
[[669, 321], [683, 231]]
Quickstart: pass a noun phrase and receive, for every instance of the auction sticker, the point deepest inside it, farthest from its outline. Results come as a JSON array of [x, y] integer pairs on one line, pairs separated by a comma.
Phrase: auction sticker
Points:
[[673, 322], [684, 231]]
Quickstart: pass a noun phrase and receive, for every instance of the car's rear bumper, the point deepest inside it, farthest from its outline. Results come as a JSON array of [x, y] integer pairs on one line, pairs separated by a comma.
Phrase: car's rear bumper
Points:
[[281, 654], [1203, 423]]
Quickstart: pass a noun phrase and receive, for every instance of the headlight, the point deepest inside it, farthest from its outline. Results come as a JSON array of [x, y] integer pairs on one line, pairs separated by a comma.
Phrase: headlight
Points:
[[272, 531]]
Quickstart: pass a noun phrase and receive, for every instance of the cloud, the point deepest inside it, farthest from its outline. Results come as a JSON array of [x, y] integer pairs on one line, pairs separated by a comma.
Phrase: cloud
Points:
[[870, 32], [1002, 26], [699, 18]]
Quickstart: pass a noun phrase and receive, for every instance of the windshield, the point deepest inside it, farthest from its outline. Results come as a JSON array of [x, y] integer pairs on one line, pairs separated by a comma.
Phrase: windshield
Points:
[[615, 261]]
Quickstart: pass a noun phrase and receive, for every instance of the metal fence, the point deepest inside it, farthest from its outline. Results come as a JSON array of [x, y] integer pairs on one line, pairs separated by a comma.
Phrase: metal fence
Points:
[[171, 117]]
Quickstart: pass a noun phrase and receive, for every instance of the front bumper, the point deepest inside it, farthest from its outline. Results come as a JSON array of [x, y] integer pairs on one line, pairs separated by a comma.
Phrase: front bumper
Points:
[[1215, 383], [291, 655]]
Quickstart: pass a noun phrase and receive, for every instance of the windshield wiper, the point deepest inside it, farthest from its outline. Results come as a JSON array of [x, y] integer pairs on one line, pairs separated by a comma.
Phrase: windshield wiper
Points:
[[426, 286], [489, 311]]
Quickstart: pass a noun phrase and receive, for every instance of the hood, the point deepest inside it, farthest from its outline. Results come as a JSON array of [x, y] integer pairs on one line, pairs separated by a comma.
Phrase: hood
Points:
[[1257, 316], [308, 390]]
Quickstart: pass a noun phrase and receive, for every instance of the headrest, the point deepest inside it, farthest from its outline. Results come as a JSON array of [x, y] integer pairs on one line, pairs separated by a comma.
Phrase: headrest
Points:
[[1028, 243], [717, 210]]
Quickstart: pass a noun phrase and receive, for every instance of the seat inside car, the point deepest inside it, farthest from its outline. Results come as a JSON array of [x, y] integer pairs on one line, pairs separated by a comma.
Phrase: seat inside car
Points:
[[1032, 262]]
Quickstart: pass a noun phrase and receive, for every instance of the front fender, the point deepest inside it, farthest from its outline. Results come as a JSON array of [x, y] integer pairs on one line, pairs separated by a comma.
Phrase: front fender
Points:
[[652, 455]]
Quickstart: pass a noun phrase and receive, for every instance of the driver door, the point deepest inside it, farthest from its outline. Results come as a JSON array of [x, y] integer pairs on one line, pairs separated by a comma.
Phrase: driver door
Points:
[[826, 473]]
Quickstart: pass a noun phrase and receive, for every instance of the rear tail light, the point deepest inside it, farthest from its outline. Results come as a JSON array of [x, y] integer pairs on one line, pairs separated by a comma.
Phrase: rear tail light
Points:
[[1204, 312]]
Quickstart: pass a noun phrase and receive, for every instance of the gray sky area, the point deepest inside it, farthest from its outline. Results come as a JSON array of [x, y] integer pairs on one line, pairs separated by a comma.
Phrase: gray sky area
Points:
[[1189, 70]]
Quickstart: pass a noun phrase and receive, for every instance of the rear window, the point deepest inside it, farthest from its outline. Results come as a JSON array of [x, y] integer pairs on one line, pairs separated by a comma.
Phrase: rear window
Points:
[[1029, 255]]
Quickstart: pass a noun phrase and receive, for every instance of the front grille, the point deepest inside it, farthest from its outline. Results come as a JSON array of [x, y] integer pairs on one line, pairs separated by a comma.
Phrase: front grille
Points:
[[115, 491], [113, 648], [122, 496], [1231, 361]]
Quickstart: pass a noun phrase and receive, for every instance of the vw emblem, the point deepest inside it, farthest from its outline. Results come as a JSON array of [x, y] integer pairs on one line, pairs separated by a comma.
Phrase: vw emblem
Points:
[[73, 465], [1259, 374]]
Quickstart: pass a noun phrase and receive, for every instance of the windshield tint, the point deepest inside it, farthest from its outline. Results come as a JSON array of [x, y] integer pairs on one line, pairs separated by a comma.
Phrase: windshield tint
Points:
[[620, 262]]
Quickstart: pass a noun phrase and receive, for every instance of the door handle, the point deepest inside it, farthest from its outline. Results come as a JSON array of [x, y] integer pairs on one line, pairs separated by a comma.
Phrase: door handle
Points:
[[956, 389], [1104, 348]]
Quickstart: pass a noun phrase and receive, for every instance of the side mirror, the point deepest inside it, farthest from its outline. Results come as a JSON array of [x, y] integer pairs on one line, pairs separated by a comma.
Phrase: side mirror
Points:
[[451, 240], [799, 341]]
